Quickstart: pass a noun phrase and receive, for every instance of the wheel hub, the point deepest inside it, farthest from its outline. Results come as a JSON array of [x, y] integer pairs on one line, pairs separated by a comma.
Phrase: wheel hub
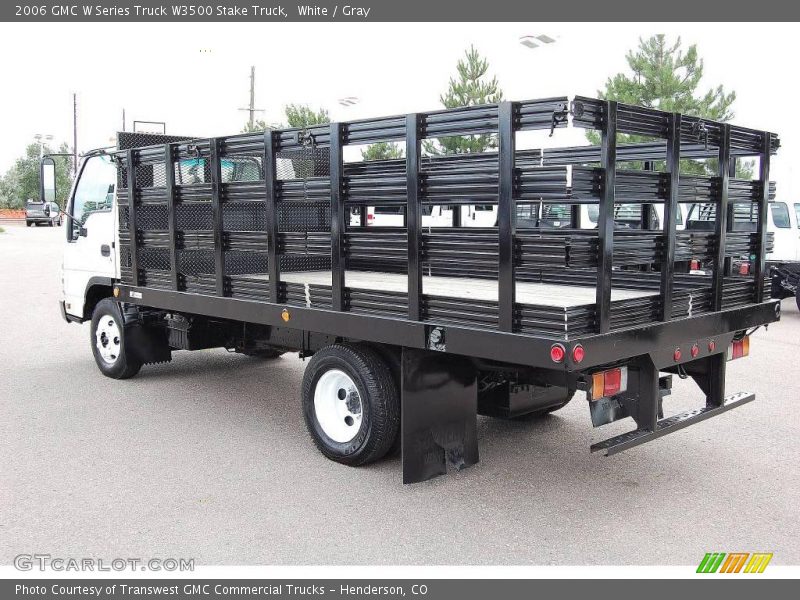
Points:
[[108, 339], [337, 406]]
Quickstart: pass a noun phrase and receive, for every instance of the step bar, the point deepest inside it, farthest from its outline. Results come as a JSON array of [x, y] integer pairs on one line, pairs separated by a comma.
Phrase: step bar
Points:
[[671, 424]]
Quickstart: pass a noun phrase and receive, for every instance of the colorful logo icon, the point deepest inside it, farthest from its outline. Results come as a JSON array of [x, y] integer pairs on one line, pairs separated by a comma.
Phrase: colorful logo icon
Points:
[[734, 562]]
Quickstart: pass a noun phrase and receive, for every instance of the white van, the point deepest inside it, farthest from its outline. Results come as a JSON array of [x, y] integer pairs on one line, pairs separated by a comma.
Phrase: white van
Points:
[[784, 223]]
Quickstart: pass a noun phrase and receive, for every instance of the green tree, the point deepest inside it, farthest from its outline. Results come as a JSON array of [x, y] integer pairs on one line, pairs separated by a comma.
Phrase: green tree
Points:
[[21, 181], [297, 115], [301, 115], [382, 151], [470, 87], [258, 126], [665, 77]]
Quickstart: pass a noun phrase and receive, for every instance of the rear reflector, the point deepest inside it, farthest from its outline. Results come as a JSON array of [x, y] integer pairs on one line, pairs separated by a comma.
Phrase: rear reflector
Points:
[[609, 383], [739, 348]]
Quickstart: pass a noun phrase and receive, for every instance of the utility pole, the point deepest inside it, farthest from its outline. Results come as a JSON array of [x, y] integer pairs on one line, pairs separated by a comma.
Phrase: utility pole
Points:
[[252, 108], [74, 134], [123, 119]]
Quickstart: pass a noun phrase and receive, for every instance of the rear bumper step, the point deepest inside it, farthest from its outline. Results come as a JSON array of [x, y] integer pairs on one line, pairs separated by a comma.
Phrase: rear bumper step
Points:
[[665, 426]]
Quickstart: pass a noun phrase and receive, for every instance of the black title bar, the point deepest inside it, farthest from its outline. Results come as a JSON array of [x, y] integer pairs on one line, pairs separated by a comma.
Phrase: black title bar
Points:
[[398, 10]]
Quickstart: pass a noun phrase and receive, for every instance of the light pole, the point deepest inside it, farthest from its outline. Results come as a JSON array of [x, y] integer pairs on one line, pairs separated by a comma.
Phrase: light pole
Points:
[[348, 102], [534, 41], [40, 138]]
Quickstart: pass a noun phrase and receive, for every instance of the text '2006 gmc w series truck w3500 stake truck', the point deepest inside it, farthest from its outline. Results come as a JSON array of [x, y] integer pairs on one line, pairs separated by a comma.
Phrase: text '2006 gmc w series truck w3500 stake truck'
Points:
[[246, 242]]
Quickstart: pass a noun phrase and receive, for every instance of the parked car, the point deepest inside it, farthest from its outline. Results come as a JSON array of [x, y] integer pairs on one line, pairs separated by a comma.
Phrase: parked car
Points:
[[38, 213]]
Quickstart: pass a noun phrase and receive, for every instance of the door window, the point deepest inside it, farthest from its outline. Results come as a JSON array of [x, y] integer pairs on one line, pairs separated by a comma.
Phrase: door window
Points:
[[797, 214], [94, 192], [780, 214]]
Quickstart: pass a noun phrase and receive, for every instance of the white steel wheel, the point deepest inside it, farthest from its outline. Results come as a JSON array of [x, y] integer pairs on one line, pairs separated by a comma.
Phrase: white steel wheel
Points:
[[110, 346], [351, 405], [337, 406], [108, 339]]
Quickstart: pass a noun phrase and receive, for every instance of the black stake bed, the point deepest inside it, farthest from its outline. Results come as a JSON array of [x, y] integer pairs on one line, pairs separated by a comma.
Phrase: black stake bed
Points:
[[577, 246]]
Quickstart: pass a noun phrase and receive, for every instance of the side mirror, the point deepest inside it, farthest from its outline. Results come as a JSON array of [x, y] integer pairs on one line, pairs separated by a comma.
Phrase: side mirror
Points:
[[47, 180]]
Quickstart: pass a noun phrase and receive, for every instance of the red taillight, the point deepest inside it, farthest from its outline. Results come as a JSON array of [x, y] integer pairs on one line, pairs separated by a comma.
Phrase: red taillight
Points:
[[694, 265], [609, 383], [695, 350], [557, 353], [739, 348], [744, 269], [677, 354], [712, 345], [578, 354]]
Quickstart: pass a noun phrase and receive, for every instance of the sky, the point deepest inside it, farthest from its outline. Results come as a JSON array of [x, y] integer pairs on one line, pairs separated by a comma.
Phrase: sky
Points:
[[195, 77]]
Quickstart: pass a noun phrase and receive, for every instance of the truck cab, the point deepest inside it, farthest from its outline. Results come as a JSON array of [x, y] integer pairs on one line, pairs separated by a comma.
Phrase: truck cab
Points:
[[90, 264]]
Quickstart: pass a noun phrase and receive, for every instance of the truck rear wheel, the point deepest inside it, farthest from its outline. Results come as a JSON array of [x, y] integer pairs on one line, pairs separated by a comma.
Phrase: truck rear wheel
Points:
[[351, 404], [112, 354], [797, 295]]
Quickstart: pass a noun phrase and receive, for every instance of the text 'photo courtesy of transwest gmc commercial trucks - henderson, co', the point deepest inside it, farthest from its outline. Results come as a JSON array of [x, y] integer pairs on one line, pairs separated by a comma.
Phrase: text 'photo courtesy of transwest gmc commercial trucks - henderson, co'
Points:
[[496, 283]]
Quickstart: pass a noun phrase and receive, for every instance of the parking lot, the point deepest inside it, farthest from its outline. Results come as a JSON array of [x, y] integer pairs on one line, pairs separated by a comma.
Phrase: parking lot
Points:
[[208, 458]]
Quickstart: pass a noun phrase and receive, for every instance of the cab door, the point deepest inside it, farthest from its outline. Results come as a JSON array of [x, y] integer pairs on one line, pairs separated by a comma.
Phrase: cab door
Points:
[[91, 248], [797, 227], [785, 235]]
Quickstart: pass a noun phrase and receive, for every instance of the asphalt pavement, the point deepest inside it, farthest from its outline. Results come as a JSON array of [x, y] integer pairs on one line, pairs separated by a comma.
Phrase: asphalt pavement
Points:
[[208, 458]]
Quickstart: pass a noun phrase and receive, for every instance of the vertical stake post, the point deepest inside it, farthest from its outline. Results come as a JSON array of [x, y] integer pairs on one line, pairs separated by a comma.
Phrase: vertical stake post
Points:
[[506, 216], [216, 216], [763, 203], [337, 219], [414, 217], [605, 221], [271, 213], [172, 215], [132, 227], [721, 224], [670, 212]]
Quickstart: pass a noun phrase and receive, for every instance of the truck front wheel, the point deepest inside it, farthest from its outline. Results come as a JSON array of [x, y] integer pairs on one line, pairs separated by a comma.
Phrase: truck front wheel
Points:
[[797, 295], [111, 353], [351, 404]]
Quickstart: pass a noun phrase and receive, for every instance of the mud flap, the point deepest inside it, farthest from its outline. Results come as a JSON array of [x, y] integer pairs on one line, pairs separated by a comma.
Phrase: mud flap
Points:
[[439, 407]]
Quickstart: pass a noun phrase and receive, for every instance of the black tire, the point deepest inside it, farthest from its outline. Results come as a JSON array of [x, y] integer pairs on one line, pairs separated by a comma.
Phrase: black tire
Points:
[[264, 353], [125, 364], [379, 403], [27, 223], [797, 295]]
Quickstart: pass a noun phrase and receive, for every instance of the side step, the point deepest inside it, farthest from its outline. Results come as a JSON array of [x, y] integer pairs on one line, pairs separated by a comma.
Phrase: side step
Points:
[[670, 424]]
